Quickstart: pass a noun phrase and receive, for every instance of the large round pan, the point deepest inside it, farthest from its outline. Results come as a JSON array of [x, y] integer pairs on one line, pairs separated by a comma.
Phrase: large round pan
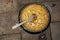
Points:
[[49, 12]]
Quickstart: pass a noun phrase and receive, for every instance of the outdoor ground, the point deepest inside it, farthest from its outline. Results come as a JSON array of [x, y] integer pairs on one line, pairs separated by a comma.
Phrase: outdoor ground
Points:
[[9, 16]]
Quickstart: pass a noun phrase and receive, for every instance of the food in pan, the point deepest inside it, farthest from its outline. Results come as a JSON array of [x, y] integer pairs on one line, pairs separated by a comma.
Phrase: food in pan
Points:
[[41, 17]]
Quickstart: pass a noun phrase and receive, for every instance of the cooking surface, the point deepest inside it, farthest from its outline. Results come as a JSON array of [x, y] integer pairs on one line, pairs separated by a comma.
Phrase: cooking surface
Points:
[[8, 18]]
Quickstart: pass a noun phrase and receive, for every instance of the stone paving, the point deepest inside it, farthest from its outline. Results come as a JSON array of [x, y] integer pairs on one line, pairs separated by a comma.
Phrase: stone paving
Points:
[[9, 16]]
